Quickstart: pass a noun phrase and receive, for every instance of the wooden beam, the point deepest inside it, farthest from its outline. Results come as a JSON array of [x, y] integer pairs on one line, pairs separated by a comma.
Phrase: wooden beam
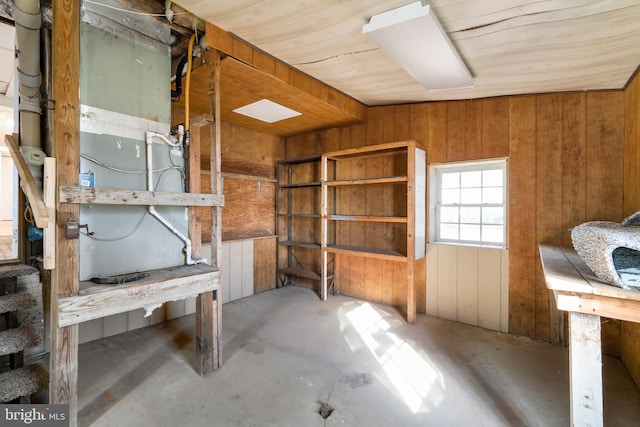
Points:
[[28, 184], [112, 196], [241, 50], [65, 68]]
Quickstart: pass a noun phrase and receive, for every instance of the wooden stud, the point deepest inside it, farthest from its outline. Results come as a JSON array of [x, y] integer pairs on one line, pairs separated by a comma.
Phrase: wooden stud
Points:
[[209, 304], [63, 362]]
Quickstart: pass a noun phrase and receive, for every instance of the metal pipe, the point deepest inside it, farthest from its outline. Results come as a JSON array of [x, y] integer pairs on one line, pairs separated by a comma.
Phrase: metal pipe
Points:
[[26, 14]]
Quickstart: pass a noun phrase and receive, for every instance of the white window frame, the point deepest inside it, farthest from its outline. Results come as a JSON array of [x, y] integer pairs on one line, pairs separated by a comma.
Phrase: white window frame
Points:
[[435, 200]]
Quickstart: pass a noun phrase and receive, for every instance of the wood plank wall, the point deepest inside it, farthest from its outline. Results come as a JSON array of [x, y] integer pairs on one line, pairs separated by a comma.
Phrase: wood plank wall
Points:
[[565, 167], [630, 340]]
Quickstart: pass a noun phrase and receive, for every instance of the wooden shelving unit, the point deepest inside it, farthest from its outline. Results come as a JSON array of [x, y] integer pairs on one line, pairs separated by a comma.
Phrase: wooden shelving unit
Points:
[[409, 214], [299, 219]]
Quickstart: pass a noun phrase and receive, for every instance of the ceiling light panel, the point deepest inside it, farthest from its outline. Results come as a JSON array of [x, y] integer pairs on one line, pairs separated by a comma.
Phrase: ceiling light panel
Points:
[[267, 111], [412, 36]]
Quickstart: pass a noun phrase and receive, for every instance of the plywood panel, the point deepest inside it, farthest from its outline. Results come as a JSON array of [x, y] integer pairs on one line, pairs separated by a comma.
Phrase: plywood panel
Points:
[[630, 332], [504, 292], [473, 129], [225, 278], [605, 150], [432, 280], [264, 264], [574, 162], [437, 133], [467, 284], [236, 270], [522, 215], [456, 131], [447, 279], [249, 209], [489, 288], [495, 129], [247, 268], [549, 196]]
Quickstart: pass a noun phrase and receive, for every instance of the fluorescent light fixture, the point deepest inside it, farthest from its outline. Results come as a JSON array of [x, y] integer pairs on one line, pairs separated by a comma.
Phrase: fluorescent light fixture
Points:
[[267, 111], [412, 36]]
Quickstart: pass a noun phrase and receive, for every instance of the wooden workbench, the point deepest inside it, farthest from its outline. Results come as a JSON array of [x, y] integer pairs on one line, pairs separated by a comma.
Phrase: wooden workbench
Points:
[[586, 298]]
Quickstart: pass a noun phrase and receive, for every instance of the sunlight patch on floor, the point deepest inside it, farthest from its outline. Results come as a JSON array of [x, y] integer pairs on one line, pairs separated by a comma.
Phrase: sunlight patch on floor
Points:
[[416, 380]]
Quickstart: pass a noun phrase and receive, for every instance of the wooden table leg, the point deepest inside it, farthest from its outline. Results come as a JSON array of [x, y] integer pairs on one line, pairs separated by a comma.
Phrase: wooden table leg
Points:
[[585, 363]]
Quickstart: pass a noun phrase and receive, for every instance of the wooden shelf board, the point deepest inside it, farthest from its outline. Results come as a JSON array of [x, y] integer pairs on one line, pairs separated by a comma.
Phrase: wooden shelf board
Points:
[[301, 185], [366, 181], [299, 160], [370, 151], [367, 252], [300, 244], [300, 272], [112, 196], [167, 284], [367, 218], [295, 215]]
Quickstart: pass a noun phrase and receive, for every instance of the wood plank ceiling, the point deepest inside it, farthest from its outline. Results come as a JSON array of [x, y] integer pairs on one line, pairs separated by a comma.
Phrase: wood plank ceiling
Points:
[[511, 46]]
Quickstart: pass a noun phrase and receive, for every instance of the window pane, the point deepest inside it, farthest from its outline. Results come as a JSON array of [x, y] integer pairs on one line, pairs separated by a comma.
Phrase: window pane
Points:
[[470, 179], [471, 196], [470, 232], [449, 231], [449, 214], [492, 178], [492, 195], [450, 197], [493, 234], [493, 215], [470, 215], [450, 180]]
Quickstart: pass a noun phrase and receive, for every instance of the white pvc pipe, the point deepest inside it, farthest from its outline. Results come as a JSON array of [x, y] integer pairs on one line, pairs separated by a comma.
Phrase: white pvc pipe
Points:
[[149, 140]]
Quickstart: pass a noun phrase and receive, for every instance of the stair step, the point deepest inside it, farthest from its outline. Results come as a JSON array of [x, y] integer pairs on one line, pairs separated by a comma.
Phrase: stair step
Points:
[[14, 302], [17, 339], [23, 382]]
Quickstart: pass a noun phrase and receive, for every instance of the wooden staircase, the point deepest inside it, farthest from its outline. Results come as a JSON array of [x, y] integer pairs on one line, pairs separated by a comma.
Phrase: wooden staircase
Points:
[[20, 332]]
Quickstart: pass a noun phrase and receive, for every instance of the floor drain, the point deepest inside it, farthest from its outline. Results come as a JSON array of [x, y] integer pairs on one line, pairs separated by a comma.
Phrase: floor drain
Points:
[[325, 410]]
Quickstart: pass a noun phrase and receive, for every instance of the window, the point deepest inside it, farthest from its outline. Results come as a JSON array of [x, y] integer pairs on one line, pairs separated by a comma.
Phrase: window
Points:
[[468, 203]]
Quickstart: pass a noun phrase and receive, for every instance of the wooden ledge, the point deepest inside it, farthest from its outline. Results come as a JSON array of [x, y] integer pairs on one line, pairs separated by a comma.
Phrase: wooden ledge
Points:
[[112, 196], [162, 285]]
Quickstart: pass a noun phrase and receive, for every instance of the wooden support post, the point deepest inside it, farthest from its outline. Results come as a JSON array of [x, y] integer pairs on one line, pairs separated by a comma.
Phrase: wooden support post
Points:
[[50, 190], [195, 221], [411, 234], [209, 304], [585, 356], [63, 365]]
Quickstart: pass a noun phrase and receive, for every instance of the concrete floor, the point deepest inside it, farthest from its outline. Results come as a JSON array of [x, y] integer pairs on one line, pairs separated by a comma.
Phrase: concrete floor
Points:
[[287, 355]]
